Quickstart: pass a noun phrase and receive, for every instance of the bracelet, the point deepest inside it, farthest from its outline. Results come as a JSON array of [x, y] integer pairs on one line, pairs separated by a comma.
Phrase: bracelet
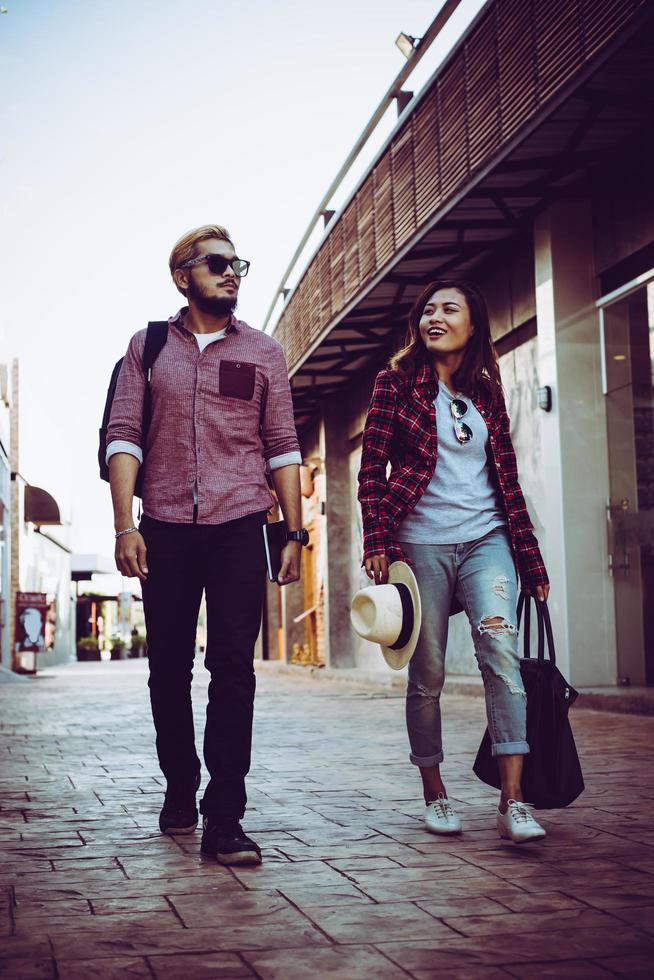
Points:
[[128, 530]]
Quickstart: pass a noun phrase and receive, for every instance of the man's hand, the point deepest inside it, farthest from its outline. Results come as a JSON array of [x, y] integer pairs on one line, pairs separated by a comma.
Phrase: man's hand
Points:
[[131, 555], [291, 561], [377, 569]]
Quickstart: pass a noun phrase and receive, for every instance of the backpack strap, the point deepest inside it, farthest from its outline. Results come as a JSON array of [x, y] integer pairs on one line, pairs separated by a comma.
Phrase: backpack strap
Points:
[[155, 339]]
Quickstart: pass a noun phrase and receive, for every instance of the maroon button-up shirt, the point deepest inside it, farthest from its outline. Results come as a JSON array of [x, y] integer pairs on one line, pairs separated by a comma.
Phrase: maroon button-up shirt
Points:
[[401, 429], [217, 416]]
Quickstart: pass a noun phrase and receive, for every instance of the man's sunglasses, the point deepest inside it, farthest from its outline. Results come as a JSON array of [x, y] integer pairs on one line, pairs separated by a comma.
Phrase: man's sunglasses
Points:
[[218, 263], [462, 430]]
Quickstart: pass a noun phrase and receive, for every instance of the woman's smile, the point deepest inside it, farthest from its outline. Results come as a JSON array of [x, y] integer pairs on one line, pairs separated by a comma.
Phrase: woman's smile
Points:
[[445, 325]]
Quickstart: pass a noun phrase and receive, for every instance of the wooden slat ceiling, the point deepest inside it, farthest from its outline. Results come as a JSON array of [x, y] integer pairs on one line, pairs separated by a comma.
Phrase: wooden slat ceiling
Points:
[[491, 142]]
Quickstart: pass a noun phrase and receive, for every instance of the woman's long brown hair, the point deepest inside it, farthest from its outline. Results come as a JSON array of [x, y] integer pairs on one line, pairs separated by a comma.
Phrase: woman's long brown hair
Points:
[[479, 373]]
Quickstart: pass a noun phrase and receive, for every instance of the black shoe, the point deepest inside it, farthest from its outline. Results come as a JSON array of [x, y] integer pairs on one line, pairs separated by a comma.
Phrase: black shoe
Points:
[[223, 839], [179, 814]]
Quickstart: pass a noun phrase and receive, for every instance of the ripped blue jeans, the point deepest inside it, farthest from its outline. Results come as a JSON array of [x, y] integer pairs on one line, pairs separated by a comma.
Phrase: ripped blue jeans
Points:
[[482, 575]]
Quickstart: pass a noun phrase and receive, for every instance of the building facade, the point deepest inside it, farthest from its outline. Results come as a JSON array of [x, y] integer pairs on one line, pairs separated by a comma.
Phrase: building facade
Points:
[[34, 555], [524, 164]]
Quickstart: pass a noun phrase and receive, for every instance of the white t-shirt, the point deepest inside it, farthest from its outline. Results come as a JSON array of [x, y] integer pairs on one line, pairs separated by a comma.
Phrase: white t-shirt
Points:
[[204, 339], [460, 504]]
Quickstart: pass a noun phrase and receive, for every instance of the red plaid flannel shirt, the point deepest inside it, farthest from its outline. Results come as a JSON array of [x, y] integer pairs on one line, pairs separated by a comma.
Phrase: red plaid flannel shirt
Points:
[[401, 428]]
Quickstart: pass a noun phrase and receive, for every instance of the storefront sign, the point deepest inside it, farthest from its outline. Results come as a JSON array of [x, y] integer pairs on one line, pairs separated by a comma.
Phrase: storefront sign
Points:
[[31, 613]]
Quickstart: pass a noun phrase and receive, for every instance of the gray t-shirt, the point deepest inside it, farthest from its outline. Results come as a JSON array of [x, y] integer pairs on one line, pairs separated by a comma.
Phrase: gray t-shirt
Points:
[[460, 504]]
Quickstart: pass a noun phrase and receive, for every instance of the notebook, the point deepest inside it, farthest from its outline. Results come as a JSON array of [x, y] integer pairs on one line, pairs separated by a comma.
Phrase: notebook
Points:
[[274, 539]]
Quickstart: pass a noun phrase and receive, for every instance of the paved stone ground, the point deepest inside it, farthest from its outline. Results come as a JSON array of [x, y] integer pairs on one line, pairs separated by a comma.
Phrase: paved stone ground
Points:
[[351, 886]]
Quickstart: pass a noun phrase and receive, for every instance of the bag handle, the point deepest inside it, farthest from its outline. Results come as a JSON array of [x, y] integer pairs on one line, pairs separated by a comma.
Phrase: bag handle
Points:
[[544, 627], [544, 613]]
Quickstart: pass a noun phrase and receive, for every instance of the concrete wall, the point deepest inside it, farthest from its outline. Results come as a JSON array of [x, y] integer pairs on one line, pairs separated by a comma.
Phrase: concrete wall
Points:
[[574, 444]]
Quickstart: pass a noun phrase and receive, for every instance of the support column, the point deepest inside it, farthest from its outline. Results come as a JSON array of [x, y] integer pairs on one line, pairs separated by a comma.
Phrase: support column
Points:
[[339, 577], [574, 440]]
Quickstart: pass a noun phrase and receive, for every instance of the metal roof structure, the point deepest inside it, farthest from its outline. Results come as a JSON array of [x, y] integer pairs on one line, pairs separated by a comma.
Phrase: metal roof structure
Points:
[[531, 97]]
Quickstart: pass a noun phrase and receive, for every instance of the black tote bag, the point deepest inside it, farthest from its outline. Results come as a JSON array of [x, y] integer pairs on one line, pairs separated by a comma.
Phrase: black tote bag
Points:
[[552, 775]]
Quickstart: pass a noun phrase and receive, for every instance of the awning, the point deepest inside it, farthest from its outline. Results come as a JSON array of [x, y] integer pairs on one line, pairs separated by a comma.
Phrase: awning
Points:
[[40, 507]]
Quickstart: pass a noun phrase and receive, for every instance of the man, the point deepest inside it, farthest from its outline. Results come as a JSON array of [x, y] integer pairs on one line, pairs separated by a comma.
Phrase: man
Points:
[[221, 407]]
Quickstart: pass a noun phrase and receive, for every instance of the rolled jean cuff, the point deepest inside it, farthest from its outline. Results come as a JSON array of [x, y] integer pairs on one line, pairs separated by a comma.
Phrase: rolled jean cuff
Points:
[[426, 761], [511, 748]]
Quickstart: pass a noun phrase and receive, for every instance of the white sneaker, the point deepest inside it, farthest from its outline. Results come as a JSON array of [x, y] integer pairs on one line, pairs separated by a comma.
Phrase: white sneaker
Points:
[[517, 824], [440, 817]]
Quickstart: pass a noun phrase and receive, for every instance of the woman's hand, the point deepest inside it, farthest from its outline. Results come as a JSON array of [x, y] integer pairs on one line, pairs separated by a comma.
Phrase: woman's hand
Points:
[[541, 592], [377, 569]]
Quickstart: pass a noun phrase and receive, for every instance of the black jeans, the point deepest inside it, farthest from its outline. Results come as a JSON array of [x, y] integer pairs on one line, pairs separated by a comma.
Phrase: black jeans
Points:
[[227, 562]]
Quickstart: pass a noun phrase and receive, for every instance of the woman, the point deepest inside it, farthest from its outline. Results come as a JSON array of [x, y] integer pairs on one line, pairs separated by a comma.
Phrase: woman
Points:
[[453, 508]]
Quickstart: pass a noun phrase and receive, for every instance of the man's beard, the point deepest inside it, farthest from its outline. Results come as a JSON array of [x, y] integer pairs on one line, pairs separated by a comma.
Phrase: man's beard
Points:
[[213, 305]]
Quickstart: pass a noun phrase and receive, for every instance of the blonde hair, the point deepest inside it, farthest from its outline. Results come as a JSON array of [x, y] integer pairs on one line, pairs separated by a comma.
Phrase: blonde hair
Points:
[[185, 248]]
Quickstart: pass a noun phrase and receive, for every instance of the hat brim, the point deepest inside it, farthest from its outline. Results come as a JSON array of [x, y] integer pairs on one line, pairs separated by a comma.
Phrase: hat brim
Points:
[[400, 572]]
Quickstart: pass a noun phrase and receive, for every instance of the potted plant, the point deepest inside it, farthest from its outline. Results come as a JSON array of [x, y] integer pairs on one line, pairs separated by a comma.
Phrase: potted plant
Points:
[[88, 648], [118, 648], [137, 648]]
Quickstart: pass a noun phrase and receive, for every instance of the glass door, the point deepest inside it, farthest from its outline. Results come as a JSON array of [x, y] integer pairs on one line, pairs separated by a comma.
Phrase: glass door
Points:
[[627, 323]]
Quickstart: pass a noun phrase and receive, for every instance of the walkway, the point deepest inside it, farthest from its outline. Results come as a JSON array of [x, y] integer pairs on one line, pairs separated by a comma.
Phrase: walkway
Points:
[[351, 886]]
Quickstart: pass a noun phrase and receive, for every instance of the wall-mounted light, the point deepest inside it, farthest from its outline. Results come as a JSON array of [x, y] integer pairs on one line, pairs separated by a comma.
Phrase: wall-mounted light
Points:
[[407, 43], [544, 398]]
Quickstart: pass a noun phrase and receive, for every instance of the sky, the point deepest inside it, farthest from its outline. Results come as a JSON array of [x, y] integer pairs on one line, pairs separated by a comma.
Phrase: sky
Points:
[[125, 123]]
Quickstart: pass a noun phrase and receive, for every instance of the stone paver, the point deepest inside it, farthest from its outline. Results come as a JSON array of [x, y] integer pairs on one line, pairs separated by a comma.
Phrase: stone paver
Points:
[[351, 886]]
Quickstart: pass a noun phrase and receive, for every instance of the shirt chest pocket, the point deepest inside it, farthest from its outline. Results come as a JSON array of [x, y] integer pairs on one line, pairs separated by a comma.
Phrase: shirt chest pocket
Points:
[[237, 379]]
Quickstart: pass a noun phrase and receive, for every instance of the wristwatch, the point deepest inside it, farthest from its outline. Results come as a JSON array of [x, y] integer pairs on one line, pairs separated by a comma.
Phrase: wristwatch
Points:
[[302, 536]]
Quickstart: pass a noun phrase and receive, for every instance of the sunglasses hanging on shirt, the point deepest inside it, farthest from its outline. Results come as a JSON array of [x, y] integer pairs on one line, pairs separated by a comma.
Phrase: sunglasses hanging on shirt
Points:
[[462, 430]]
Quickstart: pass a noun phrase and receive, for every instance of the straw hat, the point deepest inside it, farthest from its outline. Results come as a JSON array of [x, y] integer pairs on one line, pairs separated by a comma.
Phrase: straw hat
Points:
[[390, 615]]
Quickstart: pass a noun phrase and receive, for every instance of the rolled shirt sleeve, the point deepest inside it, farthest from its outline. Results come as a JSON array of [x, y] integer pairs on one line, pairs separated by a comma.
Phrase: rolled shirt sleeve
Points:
[[278, 424], [286, 459], [121, 446]]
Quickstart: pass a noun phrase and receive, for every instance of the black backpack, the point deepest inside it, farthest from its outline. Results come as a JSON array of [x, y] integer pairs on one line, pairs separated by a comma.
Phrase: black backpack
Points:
[[155, 339]]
